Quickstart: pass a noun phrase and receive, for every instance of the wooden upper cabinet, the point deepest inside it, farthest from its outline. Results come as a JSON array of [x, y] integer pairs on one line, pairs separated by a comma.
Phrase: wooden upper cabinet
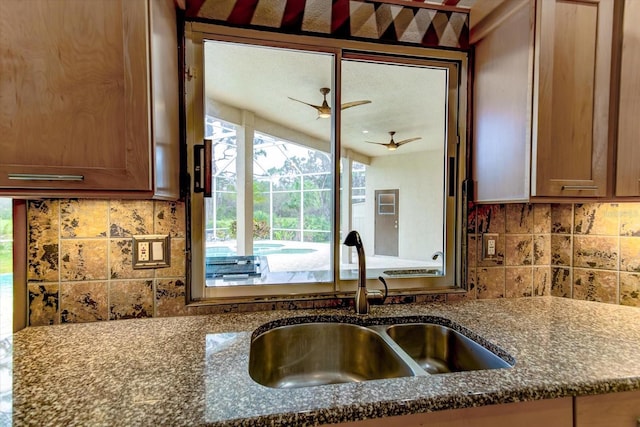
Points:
[[542, 90], [571, 97], [628, 164], [89, 98]]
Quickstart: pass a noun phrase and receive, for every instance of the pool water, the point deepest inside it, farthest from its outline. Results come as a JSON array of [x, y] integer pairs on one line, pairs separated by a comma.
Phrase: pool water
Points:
[[258, 249]]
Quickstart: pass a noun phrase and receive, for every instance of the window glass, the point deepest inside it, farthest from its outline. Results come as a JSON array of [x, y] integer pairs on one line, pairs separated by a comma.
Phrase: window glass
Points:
[[274, 223], [269, 217]]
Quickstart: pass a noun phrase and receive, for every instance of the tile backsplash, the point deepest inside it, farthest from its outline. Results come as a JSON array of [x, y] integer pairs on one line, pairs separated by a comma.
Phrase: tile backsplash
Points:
[[80, 258], [588, 251]]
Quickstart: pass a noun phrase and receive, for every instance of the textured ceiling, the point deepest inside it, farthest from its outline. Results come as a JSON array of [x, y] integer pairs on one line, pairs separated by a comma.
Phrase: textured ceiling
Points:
[[407, 99]]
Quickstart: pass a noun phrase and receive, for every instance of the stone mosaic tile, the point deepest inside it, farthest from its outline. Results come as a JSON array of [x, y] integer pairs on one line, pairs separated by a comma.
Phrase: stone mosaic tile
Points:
[[519, 218], [595, 285], [471, 283], [629, 219], [130, 299], [561, 282], [83, 259], [541, 281], [84, 218], [595, 252], [500, 251], [130, 217], [596, 219], [472, 218], [472, 250], [630, 289], [561, 250], [43, 304], [43, 228], [490, 219], [541, 218], [170, 298], [542, 249], [518, 249], [121, 261], [490, 283], [169, 218], [518, 282], [630, 254], [177, 266], [561, 218], [83, 302]]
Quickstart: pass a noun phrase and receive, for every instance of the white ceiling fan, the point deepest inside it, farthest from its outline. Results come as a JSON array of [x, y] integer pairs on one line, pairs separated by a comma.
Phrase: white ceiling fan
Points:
[[392, 145], [324, 110]]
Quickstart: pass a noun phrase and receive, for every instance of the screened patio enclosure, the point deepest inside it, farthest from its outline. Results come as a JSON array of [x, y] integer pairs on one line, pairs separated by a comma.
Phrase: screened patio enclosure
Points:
[[286, 195]]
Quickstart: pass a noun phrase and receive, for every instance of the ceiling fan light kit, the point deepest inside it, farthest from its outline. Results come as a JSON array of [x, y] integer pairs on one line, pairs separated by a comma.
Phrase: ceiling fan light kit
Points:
[[324, 110], [392, 145]]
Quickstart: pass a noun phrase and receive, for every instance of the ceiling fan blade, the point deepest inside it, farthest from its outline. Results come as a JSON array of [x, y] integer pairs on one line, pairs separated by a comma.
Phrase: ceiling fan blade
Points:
[[354, 104], [404, 141], [379, 143], [317, 107]]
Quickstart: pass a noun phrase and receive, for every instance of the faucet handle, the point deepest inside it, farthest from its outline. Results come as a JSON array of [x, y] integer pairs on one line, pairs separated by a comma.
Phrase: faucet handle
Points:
[[375, 297]]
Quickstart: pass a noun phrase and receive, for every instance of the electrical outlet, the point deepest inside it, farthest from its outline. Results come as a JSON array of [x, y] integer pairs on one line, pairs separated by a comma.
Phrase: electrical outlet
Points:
[[151, 251], [489, 246], [143, 251]]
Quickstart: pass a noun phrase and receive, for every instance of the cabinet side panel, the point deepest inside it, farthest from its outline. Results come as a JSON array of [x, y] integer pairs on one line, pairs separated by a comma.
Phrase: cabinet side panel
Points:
[[502, 110], [628, 171], [165, 99]]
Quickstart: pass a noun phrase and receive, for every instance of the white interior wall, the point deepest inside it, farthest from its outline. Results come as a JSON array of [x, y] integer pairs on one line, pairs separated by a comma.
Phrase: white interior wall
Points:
[[419, 177]]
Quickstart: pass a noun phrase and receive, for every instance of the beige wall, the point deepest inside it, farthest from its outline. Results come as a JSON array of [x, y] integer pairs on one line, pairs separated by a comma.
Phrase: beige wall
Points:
[[419, 179]]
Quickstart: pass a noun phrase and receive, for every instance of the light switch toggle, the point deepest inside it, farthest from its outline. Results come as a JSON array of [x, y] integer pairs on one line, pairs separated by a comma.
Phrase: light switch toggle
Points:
[[151, 251]]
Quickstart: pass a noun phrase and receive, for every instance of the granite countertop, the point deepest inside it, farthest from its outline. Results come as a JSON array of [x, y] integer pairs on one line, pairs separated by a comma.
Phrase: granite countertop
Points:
[[193, 370]]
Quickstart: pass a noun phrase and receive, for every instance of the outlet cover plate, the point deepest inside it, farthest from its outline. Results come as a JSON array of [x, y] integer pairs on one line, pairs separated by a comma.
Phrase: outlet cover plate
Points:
[[490, 246], [151, 251]]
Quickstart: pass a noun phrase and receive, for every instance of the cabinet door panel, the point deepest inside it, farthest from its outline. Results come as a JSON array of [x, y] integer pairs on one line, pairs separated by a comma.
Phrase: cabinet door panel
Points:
[[547, 413], [573, 85], [73, 93], [611, 410], [628, 165]]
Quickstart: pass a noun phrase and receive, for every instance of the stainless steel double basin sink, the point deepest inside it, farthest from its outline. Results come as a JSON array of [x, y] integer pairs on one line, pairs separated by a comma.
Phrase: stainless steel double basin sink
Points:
[[319, 351]]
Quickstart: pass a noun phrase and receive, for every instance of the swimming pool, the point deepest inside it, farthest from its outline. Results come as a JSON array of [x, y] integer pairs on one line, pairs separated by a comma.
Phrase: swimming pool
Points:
[[258, 249]]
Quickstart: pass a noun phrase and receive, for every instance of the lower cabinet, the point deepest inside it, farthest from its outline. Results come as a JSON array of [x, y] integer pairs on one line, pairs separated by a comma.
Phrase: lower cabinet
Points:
[[610, 410], [547, 413]]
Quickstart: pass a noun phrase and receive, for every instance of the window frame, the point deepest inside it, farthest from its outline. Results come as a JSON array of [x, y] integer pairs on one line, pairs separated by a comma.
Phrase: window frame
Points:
[[455, 254]]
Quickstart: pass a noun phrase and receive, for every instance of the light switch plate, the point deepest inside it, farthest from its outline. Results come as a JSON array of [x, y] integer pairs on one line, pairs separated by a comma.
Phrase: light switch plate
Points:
[[489, 246], [151, 251]]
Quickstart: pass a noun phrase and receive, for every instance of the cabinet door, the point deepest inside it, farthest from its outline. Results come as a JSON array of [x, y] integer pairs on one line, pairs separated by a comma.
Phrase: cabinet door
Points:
[[628, 165], [74, 109], [611, 410], [571, 97], [547, 413]]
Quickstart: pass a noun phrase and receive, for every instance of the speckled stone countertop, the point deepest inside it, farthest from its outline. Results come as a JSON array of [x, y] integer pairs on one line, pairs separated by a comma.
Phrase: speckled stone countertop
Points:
[[194, 370]]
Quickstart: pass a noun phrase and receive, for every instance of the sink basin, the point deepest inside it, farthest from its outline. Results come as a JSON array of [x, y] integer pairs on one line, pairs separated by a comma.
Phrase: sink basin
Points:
[[439, 349], [328, 352], [322, 353]]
